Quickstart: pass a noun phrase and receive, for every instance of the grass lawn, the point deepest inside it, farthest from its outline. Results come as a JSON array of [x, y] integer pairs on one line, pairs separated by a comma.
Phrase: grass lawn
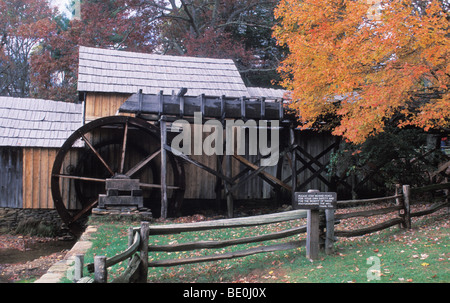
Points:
[[401, 256]]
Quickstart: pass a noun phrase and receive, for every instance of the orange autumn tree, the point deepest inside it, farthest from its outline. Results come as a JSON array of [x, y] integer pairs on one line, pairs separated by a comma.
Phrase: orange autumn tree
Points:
[[366, 71]]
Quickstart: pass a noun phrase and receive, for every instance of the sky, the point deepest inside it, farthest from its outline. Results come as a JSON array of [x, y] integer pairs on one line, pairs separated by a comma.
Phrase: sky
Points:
[[61, 4]]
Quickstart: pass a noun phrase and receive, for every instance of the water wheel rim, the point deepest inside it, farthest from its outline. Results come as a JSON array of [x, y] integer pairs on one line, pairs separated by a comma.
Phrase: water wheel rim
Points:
[[64, 213]]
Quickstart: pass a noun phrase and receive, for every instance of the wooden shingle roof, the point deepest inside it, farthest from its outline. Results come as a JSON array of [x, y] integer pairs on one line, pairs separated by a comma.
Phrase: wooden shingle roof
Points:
[[268, 93], [28, 122], [112, 71]]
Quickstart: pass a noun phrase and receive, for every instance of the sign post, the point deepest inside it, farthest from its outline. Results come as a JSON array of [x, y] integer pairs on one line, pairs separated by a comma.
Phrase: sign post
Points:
[[313, 201]]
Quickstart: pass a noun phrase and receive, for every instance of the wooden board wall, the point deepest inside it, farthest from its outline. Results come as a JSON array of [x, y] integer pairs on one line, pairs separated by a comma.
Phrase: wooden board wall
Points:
[[11, 177], [201, 185], [37, 167], [103, 105]]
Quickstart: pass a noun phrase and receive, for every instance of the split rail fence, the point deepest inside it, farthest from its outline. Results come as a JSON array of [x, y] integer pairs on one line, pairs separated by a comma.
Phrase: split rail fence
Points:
[[139, 248]]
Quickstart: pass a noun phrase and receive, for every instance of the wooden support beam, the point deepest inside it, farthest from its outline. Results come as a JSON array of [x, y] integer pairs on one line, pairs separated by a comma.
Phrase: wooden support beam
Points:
[[200, 165], [140, 98], [247, 177], [229, 173], [214, 107], [164, 201], [263, 108], [266, 174], [218, 188], [293, 162]]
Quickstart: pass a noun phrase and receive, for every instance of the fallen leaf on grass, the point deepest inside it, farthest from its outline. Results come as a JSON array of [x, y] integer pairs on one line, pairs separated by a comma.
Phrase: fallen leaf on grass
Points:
[[424, 264], [423, 256]]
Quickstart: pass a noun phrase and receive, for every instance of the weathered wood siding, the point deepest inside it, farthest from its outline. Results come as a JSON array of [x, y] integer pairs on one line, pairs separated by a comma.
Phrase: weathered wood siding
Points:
[[313, 159], [11, 177], [37, 167], [201, 185], [103, 104]]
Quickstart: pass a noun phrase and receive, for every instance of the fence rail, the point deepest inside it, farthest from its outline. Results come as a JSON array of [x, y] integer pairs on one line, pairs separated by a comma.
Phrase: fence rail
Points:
[[138, 237], [403, 201]]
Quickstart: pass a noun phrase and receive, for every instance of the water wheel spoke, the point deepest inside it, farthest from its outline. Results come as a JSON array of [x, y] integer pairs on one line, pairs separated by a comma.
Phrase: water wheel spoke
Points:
[[84, 210], [142, 163], [149, 185], [124, 148], [79, 178], [97, 154]]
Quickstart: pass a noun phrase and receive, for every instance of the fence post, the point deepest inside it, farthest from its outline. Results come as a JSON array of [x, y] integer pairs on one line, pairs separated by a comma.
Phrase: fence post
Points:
[[329, 236], [143, 270], [130, 240], [399, 202], [79, 263], [312, 232], [406, 201], [101, 273]]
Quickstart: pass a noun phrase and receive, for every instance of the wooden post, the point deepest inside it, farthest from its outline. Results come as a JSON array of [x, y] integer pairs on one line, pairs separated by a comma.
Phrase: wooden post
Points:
[[163, 130], [218, 188], [329, 236], [399, 202], [143, 270], [229, 173], [312, 232], [79, 264], [294, 162], [100, 270], [406, 201], [130, 240]]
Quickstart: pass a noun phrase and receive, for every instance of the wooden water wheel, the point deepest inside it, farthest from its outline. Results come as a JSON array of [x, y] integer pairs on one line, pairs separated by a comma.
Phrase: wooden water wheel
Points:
[[110, 147]]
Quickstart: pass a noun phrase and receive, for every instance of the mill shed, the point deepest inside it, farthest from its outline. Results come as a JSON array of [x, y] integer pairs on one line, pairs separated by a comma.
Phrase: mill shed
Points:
[[131, 103], [107, 78], [31, 132]]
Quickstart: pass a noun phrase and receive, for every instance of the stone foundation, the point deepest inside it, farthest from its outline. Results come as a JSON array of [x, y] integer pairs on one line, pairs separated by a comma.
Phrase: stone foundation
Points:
[[19, 220]]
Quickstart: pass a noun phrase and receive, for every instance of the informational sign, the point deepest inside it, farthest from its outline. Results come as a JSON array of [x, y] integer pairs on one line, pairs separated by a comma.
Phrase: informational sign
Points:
[[316, 200]]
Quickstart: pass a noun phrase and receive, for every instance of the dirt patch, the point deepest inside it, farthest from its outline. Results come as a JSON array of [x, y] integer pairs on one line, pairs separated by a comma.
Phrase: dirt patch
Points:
[[30, 270], [24, 258]]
